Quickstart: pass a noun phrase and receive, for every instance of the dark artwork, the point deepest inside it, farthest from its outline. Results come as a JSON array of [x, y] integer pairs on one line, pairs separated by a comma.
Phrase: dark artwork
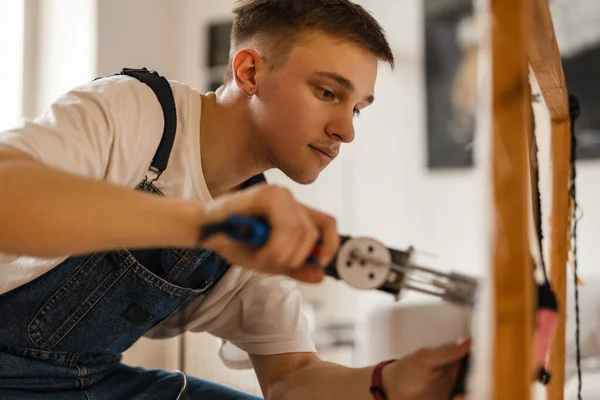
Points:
[[451, 82], [582, 75], [219, 34]]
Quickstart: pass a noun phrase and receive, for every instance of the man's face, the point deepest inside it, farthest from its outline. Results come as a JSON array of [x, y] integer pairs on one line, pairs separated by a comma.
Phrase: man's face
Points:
[[306, 107]]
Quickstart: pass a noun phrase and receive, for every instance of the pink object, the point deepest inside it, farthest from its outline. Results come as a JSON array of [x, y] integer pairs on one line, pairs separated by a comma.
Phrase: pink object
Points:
[[546, 323]]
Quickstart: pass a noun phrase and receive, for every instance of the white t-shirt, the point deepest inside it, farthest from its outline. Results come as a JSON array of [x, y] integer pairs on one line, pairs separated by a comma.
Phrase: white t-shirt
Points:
[[110, 129]]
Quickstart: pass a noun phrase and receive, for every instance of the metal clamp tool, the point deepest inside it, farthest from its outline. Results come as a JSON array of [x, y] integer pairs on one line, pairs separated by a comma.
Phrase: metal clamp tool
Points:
[[365, 263]]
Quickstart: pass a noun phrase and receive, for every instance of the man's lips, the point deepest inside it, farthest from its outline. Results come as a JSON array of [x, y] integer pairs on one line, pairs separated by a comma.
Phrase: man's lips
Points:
[[331, 153]]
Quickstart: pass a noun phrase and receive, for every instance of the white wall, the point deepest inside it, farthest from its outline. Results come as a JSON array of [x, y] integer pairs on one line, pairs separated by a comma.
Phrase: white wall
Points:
[[135, 33], [66, 48], [12, 16], [71, 43]]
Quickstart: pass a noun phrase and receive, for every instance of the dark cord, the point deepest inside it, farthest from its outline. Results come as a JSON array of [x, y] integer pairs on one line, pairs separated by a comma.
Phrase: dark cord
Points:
[[546, 299], [574, 113]]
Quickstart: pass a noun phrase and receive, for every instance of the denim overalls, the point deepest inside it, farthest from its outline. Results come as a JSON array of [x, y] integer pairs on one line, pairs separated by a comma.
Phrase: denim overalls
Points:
[[62, 334]]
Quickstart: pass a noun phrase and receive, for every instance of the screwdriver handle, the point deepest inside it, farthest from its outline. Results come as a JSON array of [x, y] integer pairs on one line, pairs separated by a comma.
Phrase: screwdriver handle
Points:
[[251, 231]]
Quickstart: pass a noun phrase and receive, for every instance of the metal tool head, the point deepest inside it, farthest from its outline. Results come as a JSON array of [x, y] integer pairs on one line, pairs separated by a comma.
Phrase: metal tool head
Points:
[[367, 264], [362, 273]]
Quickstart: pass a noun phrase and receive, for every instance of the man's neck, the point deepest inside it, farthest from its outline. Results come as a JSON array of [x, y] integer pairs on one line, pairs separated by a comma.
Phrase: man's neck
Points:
[[229, 155]]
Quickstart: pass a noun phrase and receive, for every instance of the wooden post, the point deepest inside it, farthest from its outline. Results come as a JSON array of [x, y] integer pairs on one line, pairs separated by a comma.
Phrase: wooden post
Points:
[[559, 238], [512, 273], [544, 57]]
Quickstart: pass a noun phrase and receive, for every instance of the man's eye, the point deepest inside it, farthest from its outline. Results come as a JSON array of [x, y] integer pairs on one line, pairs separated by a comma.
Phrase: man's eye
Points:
[[326, 94]]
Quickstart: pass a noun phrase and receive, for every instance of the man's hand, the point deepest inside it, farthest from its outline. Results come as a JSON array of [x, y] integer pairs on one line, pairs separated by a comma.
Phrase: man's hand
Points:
[[295, 230], [428, 373]]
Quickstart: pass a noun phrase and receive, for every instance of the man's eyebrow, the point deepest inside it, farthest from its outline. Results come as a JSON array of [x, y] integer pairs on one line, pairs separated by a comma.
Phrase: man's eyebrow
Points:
[[345, 82]]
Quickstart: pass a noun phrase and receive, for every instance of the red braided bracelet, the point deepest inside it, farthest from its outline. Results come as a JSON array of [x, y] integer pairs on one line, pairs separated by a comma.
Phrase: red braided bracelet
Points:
[[376, 388]]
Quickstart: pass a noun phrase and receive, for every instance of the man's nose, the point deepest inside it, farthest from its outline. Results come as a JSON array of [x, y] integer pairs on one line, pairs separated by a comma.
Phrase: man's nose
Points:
[[342, 130]]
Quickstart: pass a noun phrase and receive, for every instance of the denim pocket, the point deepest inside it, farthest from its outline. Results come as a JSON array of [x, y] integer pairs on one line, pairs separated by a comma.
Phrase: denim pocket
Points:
[[110, 298]]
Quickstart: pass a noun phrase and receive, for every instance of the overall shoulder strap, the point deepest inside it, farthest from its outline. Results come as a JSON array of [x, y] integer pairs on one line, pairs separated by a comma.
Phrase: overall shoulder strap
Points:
[[255, 180], [162, 89]]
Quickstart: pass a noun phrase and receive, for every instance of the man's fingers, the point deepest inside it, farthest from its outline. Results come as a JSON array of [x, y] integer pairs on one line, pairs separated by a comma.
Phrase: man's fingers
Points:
[[308, 273], [220, 241], [449, 376], [281, 244], [295, 230], [446, 354], [330, 238], [304, 245]]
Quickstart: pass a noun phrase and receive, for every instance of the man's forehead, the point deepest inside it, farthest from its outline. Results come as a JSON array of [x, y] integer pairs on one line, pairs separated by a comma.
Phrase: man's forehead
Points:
[[342, 64], [322, 47]]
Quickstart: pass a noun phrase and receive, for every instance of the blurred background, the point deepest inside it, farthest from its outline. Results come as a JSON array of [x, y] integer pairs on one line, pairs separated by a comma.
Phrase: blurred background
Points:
[[413, 177]]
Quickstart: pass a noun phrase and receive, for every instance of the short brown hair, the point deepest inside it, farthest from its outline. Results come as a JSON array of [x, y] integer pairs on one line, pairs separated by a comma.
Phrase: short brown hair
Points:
[[283, 21]]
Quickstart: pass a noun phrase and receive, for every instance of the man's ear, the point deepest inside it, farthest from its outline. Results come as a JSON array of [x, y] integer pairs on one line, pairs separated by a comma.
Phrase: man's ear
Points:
[[245, 65]]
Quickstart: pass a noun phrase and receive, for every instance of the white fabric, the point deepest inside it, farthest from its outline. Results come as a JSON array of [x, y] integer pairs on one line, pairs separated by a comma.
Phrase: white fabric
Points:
[[109, 129]]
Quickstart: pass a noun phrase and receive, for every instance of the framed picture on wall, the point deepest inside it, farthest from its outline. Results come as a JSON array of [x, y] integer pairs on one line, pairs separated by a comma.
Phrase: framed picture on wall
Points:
[[219, 34], [578, 36], [451, 82]]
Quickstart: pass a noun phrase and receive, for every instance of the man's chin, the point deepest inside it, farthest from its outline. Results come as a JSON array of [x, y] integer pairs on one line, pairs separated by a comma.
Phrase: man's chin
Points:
[[302, 177], [306, 181]]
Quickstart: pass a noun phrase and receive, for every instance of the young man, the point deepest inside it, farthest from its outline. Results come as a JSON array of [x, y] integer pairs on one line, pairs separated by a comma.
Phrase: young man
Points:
[[72, 300]]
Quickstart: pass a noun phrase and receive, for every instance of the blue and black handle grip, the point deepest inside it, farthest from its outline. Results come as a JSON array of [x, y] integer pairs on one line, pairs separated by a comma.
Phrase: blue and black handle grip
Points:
[[251, 231]]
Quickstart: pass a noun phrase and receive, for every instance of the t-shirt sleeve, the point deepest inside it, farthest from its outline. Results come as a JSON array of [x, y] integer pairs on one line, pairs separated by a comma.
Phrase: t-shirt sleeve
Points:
[[264, 318], [107, 129]]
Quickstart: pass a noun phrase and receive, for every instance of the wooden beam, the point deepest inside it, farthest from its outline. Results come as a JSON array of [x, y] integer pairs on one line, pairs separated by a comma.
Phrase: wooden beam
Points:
[[512, 277], [546, 63], [559, 249], [544, 58]]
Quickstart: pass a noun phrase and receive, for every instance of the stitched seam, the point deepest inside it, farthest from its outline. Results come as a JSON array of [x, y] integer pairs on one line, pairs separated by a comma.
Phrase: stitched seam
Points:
[[33, 328], [86, 306], [185, 263], [159, 282]]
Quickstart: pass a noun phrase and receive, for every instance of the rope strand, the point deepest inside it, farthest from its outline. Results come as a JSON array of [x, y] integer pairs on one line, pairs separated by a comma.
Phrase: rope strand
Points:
[[574, 113]]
